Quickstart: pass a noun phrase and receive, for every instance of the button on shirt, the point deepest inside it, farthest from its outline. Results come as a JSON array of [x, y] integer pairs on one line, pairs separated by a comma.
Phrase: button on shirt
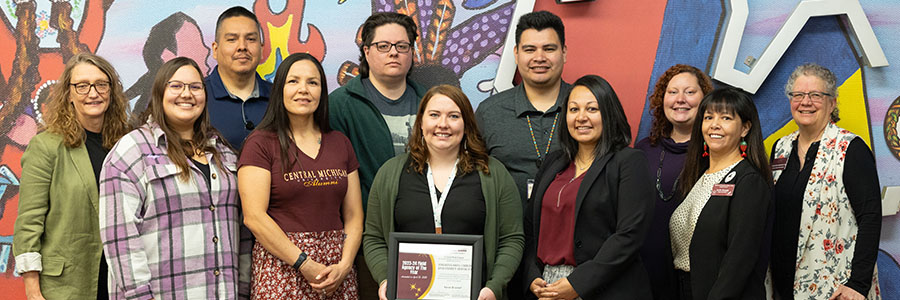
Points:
[[225, 109], [152, 223], [503, 121]]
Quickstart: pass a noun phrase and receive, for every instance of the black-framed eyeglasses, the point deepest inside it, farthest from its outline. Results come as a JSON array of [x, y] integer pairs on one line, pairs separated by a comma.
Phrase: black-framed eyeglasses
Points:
[[84, 88], [814, 96], [384, 46], [177, 87]]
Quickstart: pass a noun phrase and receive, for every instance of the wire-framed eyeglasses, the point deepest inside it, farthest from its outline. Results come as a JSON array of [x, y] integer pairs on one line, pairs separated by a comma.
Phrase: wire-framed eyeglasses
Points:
[[813, 96]]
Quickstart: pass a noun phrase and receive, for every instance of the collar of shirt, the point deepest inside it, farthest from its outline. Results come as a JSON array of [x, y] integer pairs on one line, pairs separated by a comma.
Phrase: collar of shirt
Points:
[[523, 106], [220, 92], [159, 136]]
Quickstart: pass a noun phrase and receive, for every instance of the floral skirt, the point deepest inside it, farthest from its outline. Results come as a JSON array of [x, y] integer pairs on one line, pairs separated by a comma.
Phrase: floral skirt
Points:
[[275, 279]]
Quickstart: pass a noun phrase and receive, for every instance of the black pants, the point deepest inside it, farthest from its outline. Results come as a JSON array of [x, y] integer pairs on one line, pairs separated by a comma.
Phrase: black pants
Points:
[[684, 285]]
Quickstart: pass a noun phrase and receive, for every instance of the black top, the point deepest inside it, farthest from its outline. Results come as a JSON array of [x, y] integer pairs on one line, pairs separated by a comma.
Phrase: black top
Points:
[[862, 188], [94, 144], [204, 168], [464, 212]]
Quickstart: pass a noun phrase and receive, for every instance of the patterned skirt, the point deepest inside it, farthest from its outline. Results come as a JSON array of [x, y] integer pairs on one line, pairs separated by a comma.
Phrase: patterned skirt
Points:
[[275, 279]]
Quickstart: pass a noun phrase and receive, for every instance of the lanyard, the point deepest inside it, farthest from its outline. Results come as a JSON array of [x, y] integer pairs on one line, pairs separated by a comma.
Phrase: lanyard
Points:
[[533, 140], [437, 206]]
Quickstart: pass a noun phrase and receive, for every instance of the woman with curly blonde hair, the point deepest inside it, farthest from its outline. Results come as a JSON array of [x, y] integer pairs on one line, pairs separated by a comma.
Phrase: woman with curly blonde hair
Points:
[[57, 225]]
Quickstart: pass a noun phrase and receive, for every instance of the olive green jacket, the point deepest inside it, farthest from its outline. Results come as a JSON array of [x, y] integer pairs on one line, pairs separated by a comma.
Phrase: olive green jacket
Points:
[[57, 229], [504, 239]]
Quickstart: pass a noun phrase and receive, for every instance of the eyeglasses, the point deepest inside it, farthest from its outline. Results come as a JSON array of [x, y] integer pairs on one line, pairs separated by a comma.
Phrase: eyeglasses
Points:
[[813, 96], [84, 88], [384, 47], [176, 87]]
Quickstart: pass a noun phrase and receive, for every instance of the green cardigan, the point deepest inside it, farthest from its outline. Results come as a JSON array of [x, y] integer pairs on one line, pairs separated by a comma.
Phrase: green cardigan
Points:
[[504, 239], [57, 230], [351, 113]]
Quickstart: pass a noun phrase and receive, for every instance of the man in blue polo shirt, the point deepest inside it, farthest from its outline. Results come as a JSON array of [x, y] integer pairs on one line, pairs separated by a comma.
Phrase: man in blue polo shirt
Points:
[[236, 95]]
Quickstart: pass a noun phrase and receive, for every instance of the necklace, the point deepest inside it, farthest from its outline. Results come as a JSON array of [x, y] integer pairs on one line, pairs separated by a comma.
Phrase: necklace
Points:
[[533, 140], [662, 196]]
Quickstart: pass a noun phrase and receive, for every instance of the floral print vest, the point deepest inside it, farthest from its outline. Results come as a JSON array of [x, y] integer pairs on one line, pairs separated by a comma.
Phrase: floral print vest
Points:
[[827, 224]]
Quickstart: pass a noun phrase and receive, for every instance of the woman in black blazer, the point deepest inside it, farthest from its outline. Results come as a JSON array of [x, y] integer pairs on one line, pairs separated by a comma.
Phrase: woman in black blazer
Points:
[[592, 201], [721, 231]]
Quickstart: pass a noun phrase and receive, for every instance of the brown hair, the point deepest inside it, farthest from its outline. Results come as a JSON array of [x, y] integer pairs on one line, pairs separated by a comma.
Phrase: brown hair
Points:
[[472, 152], [661, 127], [178, 149], [61, 115]]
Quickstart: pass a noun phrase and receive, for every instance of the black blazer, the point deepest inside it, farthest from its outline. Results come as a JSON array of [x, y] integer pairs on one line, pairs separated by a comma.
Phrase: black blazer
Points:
[[613, 210], [729, 250]]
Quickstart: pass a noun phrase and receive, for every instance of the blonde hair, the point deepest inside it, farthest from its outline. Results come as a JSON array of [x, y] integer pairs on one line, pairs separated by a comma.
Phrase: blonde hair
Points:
[[61, 116]]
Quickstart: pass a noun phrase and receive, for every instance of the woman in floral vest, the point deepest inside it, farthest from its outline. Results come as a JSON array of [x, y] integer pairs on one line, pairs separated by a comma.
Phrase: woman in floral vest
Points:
[[827, 199]]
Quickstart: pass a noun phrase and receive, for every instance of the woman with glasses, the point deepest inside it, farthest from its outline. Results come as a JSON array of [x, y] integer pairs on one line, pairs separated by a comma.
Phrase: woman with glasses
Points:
[[300, 192], [827, 197], [169, 213], [673, 105], [57, 242]]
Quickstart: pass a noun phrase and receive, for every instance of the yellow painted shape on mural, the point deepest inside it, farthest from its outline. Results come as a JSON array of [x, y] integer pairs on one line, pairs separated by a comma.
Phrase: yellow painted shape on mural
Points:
[[852, 107], [278, 39]]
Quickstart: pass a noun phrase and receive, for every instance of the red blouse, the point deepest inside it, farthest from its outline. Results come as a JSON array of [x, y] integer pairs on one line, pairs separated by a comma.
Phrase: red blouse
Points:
[[557, 235]]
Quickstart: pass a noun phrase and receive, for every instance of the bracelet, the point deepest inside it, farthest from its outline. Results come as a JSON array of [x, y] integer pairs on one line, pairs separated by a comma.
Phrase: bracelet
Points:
[[300, 260]]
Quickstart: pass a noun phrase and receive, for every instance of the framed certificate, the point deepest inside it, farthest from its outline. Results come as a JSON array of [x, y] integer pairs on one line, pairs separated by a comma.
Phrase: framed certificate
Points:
[[434, 266]]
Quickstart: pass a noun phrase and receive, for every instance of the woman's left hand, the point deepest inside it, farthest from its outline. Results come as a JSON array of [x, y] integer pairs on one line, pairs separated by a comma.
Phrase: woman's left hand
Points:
[[486, 294], [562, 289], [332, 277], [845, 293]]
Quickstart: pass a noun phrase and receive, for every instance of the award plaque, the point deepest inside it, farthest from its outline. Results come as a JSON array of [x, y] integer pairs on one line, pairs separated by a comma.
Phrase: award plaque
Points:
[[434, 266]]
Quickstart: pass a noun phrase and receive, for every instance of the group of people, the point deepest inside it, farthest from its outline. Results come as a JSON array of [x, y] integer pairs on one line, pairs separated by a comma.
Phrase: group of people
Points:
[[321, 181]]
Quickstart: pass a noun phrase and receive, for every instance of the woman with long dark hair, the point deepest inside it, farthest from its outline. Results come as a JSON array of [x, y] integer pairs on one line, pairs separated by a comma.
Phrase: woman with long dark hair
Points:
[[591, 205], [300, 192], [169, 214], [720, 232]]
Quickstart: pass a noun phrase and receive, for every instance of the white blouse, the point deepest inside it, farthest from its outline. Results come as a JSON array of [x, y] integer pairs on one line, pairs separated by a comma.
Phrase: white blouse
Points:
[[684, 219]]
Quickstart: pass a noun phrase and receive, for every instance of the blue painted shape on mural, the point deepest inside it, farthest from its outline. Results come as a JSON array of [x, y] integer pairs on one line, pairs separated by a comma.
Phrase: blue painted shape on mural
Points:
[[477, 4], [271, 76], [888, 274], [820, 41], [5, 252], [687, 36]]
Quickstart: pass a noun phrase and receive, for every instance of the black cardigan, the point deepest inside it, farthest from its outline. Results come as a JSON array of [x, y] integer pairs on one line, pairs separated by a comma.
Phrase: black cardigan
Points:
[[729, 250], [613, 210]]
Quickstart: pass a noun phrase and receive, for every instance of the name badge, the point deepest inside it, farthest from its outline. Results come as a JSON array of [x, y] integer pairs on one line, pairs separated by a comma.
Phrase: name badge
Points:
[[779, 164], [722, 189]]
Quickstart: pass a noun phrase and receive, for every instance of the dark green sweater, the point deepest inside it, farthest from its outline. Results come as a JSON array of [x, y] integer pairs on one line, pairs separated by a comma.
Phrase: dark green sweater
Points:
[[352, 113], [504, 239]]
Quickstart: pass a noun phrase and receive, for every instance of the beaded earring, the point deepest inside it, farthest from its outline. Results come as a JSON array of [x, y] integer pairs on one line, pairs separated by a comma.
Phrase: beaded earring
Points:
[[705, 150], [743, 148]]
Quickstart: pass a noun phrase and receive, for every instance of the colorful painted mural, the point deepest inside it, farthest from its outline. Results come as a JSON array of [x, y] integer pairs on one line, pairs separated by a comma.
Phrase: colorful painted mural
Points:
[[460, 42]]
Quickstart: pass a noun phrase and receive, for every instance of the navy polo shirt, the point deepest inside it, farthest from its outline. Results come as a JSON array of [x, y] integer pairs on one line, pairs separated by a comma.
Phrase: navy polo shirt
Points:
[[225, 109]]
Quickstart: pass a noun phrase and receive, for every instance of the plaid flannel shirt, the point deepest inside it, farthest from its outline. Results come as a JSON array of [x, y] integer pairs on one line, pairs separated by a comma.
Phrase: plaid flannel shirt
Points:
[[165, 238]]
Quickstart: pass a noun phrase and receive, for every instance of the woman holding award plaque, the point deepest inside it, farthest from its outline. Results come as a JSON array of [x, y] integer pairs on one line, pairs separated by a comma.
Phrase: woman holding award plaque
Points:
[[591, 205], [446, 184]]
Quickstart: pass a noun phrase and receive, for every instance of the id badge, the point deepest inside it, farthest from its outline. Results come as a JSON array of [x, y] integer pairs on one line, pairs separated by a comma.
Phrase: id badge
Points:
[[779, 164], [722, 189], [530, 187]]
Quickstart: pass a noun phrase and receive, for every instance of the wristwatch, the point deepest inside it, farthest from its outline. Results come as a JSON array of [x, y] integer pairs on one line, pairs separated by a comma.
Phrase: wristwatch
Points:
[[300, 260]]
